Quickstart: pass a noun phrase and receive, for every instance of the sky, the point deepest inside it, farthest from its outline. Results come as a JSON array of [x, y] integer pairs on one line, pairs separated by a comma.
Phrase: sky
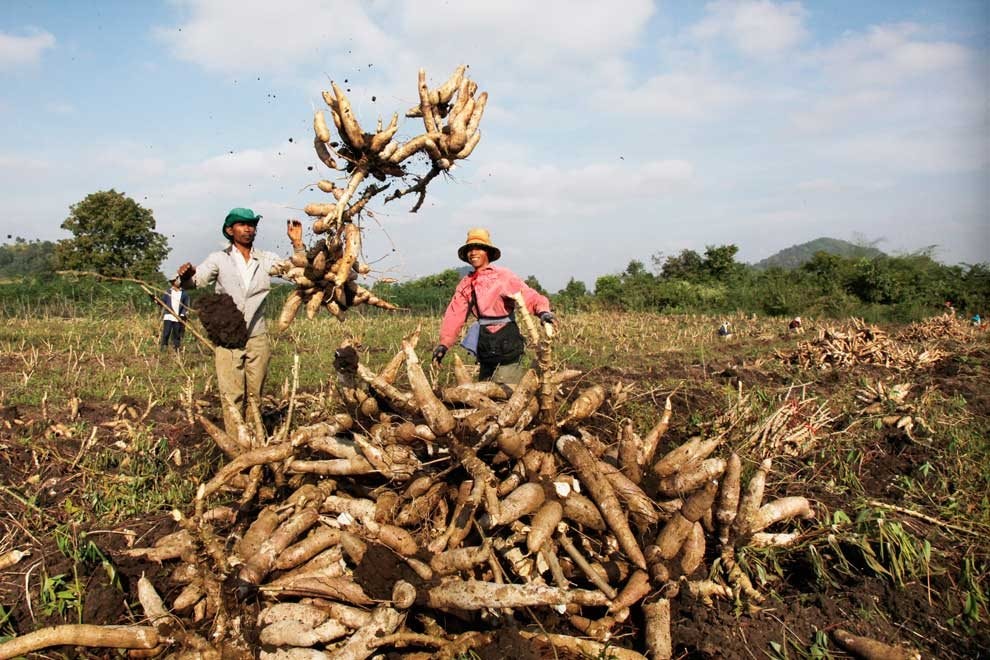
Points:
[[614, 131]]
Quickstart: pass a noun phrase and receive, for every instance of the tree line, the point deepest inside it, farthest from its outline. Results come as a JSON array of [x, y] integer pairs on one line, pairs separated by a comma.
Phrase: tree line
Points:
[[879, 288], [114, 235]]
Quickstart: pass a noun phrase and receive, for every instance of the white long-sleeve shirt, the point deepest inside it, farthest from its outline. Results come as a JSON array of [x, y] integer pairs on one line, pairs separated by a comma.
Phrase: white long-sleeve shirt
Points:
[[247, 282]]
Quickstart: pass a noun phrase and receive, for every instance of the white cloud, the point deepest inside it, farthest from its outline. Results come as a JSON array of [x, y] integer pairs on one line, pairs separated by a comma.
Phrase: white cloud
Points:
[[679, 95], [60, 108], [235, 36], [838, 109], [819, 185], [13, 166], [540, 35], [122, 159], [91, 165], [757, 28], [888, 54], [232, 175], [829, 186], [516, 45], [584, 191], [928, 153], [17, 51], [889, 99]]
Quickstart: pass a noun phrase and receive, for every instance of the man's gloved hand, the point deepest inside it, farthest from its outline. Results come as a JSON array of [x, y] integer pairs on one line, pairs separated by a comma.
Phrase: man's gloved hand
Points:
[[438, 354], [548, 317]]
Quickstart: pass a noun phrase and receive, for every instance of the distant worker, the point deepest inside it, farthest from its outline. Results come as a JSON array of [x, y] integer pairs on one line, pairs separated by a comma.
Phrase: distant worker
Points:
[[486, 294], [725, 330], [976, 320], [949, 309], [795, 325], [176, 302], [242, 272]]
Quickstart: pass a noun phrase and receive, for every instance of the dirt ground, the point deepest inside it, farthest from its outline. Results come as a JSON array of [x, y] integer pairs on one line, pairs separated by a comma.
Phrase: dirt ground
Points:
[[41, 483]]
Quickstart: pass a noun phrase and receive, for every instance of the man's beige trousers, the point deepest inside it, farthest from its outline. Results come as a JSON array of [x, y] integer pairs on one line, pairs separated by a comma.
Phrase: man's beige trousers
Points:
[[240, 378]]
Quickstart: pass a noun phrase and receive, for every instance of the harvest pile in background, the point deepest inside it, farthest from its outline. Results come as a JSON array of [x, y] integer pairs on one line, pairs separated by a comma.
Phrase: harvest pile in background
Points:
[[862, 343], [945, 326]]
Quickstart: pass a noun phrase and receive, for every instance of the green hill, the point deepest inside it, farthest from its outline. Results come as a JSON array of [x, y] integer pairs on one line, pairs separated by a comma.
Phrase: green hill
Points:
[[796, 255]]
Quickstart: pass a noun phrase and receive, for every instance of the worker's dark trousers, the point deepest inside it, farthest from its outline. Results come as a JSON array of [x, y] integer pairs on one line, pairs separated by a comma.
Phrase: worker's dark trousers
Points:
[[171, 333]]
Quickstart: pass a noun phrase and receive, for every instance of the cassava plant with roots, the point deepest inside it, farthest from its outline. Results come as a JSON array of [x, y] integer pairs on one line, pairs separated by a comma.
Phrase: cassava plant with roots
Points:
[[413, 502], [326, 275]]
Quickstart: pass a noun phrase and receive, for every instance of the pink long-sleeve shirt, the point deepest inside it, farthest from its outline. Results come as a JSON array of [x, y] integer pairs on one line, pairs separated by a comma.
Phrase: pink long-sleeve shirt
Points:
[[492, 287]]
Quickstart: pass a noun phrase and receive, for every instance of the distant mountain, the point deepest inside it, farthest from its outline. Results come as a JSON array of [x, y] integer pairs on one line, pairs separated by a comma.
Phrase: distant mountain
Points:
[[796, 255]]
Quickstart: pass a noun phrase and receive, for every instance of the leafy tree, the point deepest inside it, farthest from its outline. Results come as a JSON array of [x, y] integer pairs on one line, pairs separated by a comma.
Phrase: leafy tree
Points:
[[112, 235], [688, 265], [534, 283], [574, 296], [608, 289], [831, 271], [638, 287], [779, 292], [25, 258], [574, 289], [975, 289], [635, 269], [426, 294], [720, 262]]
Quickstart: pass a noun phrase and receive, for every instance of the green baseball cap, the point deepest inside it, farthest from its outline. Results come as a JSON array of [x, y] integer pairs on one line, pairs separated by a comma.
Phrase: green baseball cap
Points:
[[238, 215]]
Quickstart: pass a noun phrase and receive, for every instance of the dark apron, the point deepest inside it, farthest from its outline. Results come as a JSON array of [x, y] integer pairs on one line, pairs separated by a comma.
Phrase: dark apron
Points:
[[503, 346]]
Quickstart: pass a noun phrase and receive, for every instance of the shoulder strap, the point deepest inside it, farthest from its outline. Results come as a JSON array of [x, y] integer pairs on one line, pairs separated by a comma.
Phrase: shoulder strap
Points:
[[511, 317], [474, 302]]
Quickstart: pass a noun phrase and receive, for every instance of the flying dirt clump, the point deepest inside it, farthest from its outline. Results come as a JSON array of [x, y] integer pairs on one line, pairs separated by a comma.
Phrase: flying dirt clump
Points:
[[223, 322]]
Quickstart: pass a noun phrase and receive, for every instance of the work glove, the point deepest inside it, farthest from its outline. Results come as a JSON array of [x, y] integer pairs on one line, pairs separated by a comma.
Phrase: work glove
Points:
[[438, 354], [547, 317]]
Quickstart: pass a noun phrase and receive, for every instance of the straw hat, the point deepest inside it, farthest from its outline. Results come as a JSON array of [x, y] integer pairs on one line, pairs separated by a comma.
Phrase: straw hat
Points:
[[478, 237]]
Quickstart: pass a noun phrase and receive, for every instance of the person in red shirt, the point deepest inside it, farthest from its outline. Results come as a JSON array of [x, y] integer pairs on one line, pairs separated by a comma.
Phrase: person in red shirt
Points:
[[486, 294]]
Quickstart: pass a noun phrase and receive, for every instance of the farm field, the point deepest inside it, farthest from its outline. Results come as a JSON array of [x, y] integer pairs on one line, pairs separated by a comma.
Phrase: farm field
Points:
[[883, 430]]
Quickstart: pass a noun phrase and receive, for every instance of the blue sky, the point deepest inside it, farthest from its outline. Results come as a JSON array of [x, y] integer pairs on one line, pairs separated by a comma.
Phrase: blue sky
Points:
[[614, 131]]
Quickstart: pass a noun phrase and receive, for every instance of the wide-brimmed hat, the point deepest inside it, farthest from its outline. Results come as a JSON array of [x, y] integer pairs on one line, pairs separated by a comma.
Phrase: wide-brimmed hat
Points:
[[239, 215], [479, 237]]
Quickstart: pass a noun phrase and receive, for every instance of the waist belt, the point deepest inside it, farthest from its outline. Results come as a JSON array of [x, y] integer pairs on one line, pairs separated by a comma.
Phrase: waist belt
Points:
[[488, 320]]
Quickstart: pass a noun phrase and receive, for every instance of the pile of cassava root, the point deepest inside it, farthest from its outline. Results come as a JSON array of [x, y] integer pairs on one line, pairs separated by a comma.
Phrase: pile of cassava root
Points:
[[425, 520], [861, 343], [325, 276]]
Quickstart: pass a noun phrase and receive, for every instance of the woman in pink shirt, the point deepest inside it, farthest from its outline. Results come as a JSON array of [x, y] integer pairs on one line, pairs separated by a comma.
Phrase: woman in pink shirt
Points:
[[486, 294]]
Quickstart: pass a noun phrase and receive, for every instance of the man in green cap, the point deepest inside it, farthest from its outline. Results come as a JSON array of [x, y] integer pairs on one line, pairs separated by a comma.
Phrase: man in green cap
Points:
[[242, 272]]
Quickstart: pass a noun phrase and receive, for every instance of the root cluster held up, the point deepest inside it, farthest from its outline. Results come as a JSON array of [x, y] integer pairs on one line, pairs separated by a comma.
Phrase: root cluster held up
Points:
[[326, 275]]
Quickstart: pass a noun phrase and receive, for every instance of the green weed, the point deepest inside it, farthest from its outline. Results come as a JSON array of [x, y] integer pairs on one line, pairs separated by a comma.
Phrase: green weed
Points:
[[884, 546], [60, 595], [975, 604], [140, 478], [793, 649], [6, 627]]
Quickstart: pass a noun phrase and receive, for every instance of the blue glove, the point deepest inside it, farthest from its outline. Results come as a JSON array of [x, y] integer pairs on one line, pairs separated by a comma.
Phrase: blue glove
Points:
[[438, 353], [547, 317]]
